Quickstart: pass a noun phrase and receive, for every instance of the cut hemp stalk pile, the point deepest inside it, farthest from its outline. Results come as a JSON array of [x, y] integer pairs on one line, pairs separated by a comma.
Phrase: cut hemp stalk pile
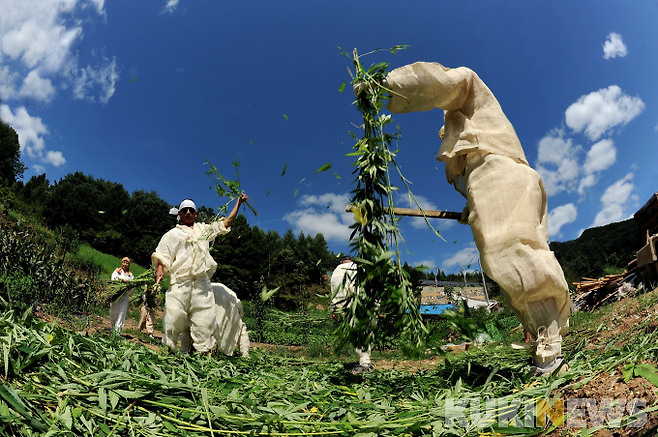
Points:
[[384, 303], [116, 289]]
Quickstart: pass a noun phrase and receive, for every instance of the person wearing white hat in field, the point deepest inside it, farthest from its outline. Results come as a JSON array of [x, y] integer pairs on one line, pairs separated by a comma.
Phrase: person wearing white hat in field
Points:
[[119, 307], [183, 254]]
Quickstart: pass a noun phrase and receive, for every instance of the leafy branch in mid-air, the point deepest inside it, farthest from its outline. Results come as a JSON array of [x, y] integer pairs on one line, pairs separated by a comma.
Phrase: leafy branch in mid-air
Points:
[[383, 303], [226, 187]]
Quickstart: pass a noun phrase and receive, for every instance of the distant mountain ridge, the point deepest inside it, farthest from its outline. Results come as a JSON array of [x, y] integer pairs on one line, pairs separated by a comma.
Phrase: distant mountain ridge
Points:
[[612, 245]]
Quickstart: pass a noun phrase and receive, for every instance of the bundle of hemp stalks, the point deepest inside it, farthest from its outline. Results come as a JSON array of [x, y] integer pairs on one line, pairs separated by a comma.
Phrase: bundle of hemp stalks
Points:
[[115, 289]]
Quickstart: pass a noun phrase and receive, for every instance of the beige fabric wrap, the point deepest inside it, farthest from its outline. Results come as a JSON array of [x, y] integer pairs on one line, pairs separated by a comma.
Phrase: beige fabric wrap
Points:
[[230, 327], [506, 198]]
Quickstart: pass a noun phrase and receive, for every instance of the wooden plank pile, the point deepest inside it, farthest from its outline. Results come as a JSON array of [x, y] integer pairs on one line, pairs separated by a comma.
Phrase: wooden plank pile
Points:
[[592, 293]]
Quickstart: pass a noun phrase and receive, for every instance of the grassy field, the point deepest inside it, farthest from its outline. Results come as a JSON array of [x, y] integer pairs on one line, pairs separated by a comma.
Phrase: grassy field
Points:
[[106, 263]]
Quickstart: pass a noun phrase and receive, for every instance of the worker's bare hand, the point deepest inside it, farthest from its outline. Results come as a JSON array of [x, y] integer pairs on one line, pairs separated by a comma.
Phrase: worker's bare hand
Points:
[[464, 219], [243, 198]]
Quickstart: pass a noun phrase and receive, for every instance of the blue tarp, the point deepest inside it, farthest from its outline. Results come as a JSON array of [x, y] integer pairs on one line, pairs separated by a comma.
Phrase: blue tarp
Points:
[[437, 309]]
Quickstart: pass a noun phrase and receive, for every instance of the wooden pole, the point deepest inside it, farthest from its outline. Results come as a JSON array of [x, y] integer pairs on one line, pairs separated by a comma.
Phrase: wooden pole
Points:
[[484, 286], [418, 213]]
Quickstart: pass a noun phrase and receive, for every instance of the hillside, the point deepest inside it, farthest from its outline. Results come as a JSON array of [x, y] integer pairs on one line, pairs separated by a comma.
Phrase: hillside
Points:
[[597, 249]]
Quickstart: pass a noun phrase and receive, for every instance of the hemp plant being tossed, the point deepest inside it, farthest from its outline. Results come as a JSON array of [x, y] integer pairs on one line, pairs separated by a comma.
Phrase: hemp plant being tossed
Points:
[[226, 187], [383, 303]]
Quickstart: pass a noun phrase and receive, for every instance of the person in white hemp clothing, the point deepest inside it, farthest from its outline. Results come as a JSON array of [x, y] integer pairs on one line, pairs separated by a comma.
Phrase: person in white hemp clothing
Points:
[[342, 284], [506, 200], [119, 307], [183, 254]]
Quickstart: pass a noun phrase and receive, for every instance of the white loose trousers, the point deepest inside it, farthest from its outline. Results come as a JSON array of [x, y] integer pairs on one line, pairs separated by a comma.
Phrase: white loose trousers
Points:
[[230, 330], [118, 311], [508, 218], [119, 308], [190, 298]]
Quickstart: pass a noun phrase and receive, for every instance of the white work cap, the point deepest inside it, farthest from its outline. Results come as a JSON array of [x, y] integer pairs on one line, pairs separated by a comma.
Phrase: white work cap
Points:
[[187, 203]]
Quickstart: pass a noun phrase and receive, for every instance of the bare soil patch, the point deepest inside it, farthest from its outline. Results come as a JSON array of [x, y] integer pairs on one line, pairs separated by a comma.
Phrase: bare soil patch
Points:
[[623, 323]]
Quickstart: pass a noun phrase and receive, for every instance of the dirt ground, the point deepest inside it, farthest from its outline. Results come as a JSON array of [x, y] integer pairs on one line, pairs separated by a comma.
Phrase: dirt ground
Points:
[[616, 329], [101, 324]]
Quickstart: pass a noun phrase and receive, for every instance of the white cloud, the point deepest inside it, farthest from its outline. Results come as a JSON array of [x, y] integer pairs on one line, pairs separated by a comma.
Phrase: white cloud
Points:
[[99, 6], [429, 263], [600, 157], [40, 36], [30, 134], [35, 87], [39, 169], [615, 201], [469, 255], [586, 183], [614, 46], [36, 37], [335, 202], [55, 158], [602, 110], [323, 214], [170, 6], [37, 51], [557, 162], [103, 77], [560, 216], [7, 83]]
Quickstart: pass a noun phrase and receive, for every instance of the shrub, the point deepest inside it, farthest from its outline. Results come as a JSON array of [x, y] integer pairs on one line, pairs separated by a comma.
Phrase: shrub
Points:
[[33, 270], [20, 292]]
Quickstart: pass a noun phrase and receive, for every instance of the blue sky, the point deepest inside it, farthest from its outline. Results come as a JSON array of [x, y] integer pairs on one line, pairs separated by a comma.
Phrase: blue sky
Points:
[[139, 92]]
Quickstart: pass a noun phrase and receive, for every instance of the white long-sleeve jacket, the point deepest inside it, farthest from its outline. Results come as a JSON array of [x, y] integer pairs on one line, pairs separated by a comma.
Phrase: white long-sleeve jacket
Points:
[[474, 120], [184, 251]]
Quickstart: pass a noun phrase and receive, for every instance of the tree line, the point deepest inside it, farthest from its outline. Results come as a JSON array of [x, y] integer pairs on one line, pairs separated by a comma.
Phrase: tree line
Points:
[[104, 215]]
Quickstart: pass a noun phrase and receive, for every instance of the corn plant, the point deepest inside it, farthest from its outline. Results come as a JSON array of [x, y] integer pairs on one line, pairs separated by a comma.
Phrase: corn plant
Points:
[[34, 272], [57, 382]]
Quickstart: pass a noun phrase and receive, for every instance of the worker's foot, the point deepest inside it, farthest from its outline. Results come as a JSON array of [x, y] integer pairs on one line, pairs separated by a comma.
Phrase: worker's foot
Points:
[[547, 369], [362, 368], [150, 335]]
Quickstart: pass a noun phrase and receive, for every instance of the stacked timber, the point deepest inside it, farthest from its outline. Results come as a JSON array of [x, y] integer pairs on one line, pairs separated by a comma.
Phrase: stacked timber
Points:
[[592, 293]]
